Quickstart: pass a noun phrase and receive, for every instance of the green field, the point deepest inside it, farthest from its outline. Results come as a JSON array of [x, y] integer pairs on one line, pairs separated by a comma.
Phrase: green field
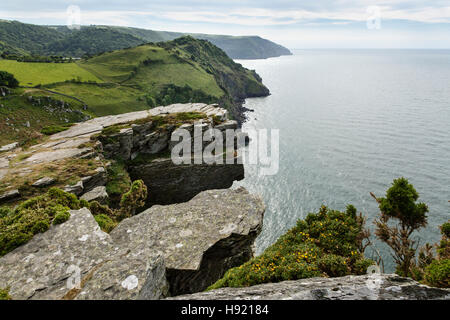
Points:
[[32, 73]]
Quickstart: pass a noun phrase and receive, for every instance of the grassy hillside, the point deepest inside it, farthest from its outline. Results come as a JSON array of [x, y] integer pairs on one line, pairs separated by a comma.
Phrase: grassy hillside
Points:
[[32, 74], [179, 71], [20, 38]]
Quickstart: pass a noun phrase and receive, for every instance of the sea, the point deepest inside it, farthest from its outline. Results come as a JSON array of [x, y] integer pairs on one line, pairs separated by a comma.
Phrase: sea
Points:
[[349, 122]]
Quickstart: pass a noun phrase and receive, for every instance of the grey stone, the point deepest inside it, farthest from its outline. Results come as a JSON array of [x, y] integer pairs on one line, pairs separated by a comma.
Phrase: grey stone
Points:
[[76, 189], [44, 182], [366, 287], [9, 147], [97, 194], [99, 178], [9, 195], [199, 239]]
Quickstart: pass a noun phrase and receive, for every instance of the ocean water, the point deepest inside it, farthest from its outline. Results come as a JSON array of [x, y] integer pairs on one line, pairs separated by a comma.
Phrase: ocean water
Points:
[[350, 122]]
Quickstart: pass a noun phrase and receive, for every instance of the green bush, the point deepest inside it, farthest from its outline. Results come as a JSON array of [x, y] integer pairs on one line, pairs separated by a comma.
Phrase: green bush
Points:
[[437, 274], [49, 130], [333, 265], [324, 244], [445, 229], [133, 199], [34, 216], [7, 79]]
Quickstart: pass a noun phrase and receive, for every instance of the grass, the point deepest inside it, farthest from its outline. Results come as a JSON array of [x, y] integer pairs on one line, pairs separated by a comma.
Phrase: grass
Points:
[[32, 74], [105, 100], [16, 113]]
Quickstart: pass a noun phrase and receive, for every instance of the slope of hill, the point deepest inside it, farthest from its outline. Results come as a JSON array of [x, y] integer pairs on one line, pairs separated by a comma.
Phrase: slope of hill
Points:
[[20, 38], [179, 71]]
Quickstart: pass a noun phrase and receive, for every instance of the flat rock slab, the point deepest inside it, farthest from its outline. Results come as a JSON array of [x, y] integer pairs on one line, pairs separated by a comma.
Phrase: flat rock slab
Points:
[[4, 163], [48, 156], [373, 287], [9, 147], [97, 194]]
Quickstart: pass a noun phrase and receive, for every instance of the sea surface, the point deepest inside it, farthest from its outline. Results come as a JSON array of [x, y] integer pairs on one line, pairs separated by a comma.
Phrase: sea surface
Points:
[[351, 121]]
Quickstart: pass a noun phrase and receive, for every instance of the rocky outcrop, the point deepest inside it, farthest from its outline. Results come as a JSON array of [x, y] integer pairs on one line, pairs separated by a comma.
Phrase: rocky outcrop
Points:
[[185, 246], [169, 183], [199, 239], [97, 194], [367, 287]]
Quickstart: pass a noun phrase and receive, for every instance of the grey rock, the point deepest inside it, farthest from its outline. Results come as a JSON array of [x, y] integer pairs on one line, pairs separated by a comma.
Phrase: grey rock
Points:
[[99, 178], [44, 182], [367, 287], [199, 239], [156, 142], [76, 189], [97, 194], [134, 275], [9, 195], [9, 147]]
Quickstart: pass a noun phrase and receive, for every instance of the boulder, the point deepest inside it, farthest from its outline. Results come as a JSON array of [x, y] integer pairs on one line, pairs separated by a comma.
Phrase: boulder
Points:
[[97, 194], [76, 189], [366, 287], [44, 182], [9, 195], [199, 239], [99, 178]]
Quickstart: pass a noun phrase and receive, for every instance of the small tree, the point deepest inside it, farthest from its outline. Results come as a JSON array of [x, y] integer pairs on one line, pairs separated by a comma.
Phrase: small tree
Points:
[[8, 80], [400, 204]]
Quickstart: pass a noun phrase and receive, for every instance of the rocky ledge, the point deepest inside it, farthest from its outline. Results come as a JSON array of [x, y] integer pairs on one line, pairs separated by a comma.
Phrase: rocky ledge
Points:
[[164, 250], [367, 287]]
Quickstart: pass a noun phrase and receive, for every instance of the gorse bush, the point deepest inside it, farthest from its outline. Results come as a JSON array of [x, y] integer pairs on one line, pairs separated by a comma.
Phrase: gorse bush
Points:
[[327, 243], [8, 80]]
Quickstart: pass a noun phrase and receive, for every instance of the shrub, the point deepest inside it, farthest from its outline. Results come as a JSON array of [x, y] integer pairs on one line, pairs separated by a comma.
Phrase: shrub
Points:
[[8, 80], [333, 265], [133, 199], [323, 244], [106, 223], [400, 204], [34, 216], [438, 273], [445, 229]]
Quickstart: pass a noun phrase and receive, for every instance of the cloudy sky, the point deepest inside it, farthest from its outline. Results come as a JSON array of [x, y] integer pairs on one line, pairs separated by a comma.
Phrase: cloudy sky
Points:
[[293, 23]]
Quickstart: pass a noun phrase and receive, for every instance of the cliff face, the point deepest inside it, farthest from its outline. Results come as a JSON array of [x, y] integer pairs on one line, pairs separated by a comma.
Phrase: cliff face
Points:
[[367, 287]]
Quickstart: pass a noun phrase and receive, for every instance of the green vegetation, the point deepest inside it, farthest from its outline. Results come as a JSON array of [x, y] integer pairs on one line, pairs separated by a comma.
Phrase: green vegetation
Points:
[[4, 294], [118, 180], [8, 80], [49, 130], [400, 205], [34, 216], [327, 243], [33, 73]]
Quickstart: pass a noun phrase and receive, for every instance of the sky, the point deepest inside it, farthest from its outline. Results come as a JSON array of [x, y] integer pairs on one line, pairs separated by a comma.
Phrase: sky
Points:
[[296, 24]]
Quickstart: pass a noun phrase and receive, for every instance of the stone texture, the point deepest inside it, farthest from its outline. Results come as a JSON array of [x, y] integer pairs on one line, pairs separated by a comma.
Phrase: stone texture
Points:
[[373, 287], [9, 147], [48, 156], [76, 189], [9, 195], [97, 194], [199, 239], [44, 182], [170, 183], [76, 260]]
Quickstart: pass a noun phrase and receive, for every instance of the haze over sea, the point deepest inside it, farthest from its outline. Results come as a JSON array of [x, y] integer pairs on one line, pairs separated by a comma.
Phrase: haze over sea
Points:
[[350, 122]]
